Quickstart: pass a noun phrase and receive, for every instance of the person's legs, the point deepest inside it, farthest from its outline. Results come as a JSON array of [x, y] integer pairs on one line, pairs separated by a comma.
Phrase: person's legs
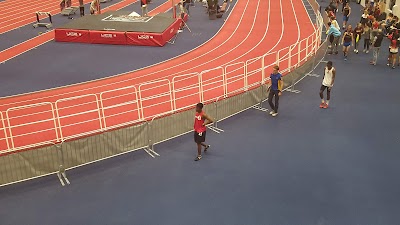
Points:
[[276, 101], [187, 5], [335, 45], [356, 44], [365, 45], [375, 55], [270, 96], [331, 39], [321, 95], [394, 57], [345, 51], [328, 95], [82, 10], [199, 139]]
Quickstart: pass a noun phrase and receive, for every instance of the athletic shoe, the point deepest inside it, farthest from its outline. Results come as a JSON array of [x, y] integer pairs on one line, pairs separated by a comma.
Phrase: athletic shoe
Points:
[[326, 106], [322, 105], [274, 114], [367, 51], [329, 53], [355, 50], [393, 67], [345, 58], [364, 50], [197, 158], [388, 64], [206, 148]]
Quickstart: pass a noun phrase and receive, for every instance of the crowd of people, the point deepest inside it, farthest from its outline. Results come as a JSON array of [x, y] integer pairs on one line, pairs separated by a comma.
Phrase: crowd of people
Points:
[[368, 34]]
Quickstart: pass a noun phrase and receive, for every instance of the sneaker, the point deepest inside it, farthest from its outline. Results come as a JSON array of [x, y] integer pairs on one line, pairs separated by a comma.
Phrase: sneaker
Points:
[[336, 52], [274, 114], [206, 148], [197, 158], [326, 106], [388, 64], [393, 67], [322, 105], [367, 52], [364, 50], [329, 53], [345, 58], [355, 50]]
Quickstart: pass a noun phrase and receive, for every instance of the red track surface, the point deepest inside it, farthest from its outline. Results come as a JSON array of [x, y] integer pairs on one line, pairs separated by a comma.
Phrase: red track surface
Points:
[[19, 13], [275, 25]]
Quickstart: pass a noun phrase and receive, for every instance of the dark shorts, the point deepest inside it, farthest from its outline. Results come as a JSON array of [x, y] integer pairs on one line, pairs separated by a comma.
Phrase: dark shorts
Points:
[[199, 138], [323, 87], [345, 18], [346, 44]]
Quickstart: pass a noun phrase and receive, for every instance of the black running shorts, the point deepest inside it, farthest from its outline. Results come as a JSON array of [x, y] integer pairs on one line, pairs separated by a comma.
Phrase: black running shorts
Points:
[[199, 137]]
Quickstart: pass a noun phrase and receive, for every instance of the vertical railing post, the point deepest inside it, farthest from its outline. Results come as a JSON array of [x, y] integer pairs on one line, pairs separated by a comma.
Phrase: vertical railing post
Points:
[[61, 174]]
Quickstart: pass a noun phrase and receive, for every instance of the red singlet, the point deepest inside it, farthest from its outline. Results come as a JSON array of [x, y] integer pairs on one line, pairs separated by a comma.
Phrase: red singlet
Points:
[[198, 123]]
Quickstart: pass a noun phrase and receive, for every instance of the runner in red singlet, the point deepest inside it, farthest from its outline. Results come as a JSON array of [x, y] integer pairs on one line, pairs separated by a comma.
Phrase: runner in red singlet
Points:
[[201, 120]]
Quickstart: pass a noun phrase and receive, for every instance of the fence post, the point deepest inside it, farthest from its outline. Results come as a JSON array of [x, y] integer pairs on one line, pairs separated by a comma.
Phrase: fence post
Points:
[[214, 126], [61, 174], [149, 149], [259, 105]]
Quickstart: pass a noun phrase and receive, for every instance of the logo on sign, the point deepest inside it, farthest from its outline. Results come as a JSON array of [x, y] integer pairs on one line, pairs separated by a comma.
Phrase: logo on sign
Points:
[[73, 34], [107, 35], [143, 37]]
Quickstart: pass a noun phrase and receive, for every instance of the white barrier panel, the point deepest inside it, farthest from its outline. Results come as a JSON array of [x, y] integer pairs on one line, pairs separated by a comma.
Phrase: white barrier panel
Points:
[[186, 91], [78, 116], [269, 63], [235, 79], [254, 72], [31, 125], [155, 98], [120, 107], [4, 144], [212, 84]]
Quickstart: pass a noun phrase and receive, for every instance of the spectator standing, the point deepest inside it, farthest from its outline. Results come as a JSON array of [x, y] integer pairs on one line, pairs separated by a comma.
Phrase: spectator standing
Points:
[[367, 38], [393, 51], [358, 31], [336, 37], [346, 14], [327, 84], [376, 44], [187, 4], [275, 90], [347, 41]]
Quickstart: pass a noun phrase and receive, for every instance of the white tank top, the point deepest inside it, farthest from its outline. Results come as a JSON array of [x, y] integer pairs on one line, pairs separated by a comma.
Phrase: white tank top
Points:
[[328, 77]]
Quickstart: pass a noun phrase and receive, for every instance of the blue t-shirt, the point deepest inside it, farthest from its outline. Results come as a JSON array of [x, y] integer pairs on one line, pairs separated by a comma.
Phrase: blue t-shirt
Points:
[[274, 81]]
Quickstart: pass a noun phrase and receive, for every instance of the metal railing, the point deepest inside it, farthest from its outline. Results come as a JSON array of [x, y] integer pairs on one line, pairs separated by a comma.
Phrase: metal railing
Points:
[[140, 109]]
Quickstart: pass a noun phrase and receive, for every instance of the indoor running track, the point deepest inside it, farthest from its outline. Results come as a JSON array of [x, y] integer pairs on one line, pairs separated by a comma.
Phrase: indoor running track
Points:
[[241, 38]]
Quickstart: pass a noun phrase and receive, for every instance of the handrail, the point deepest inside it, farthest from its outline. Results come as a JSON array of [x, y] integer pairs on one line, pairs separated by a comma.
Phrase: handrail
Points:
[[137, 97]]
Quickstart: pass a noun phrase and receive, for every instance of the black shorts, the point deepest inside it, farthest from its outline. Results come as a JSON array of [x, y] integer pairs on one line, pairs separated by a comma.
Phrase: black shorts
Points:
[[199, 137], [323, 87]]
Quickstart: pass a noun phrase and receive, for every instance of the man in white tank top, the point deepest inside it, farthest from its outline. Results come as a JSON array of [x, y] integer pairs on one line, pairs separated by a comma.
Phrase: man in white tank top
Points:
[[327, 83]]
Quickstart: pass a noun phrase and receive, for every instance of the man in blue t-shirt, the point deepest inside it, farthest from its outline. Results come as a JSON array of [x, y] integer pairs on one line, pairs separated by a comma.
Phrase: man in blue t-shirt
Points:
[[275, 90]]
